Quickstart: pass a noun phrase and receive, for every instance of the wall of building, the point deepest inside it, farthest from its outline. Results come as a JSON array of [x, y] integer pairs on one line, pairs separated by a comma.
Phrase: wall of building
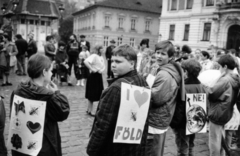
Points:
[[92, 24]]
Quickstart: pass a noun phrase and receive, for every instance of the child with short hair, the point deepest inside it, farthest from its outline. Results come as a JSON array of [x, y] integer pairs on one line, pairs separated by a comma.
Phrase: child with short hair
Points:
[[101, 142], [222, 98], [185, 143]]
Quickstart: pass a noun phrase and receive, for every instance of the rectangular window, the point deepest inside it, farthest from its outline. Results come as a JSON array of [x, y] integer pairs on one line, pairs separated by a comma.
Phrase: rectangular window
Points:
[[119, 41], [42, 22], [23, 21], [133, 24], [171, 32], [120, 23], [189, 4], [147, 25], [107, 19], [132, 42], [206, 32], [174, 5], [181, 6], [186, 32], [105, 41], [209, 2], [31, 22]]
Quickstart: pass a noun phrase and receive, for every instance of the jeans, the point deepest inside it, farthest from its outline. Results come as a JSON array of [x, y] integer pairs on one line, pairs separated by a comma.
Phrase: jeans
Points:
[[21, 64], [155, 144], [185, 143], [216, 133]]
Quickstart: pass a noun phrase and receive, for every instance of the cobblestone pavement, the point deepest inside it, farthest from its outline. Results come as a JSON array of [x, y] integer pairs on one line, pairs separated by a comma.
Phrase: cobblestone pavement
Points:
[[75, 130]]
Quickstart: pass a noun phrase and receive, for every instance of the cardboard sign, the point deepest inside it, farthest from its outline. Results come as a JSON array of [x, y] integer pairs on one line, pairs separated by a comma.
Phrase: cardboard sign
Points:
[[233, 124], [150, 80], [132, 114], [26, 125], [196, 108]]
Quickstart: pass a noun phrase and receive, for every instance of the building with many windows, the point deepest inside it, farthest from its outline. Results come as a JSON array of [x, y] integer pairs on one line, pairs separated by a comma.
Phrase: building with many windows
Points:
[[201, 23], [125, 21]]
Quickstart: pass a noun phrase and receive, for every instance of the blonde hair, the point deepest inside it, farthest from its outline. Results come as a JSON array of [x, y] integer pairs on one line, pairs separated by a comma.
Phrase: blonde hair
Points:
[[96, 49]]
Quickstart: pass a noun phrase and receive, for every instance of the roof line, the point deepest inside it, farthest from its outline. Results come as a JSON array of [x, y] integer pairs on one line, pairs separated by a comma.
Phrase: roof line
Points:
[[99, 5]]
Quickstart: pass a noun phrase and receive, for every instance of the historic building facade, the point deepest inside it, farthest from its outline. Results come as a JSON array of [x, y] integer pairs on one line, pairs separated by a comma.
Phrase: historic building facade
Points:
[[201, 23], [39, 17], [126, 21]]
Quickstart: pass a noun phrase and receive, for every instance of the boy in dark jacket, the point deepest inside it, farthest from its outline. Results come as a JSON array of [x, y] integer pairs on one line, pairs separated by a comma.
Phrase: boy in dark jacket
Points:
[[222, 97], [101, 142], [185, 143]]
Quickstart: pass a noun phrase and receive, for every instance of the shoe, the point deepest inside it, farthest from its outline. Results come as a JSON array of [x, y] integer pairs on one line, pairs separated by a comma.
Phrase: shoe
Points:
[[24, 74], [8, 84], [78, 83], [69, 84], [4, 84], [19, 74], [88, 112]]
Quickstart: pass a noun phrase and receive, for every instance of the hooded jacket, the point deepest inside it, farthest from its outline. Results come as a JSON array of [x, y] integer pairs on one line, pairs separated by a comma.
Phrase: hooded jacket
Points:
[[57, 109], [164, 94], [222, 97]]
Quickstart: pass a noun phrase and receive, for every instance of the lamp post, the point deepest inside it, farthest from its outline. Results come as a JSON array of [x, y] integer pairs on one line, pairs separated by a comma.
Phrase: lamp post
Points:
[[61, 10]]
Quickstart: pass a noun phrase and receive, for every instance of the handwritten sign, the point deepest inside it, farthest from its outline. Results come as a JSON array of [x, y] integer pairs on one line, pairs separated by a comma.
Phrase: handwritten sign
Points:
[[132, 114], [26, 125], [196, 107]]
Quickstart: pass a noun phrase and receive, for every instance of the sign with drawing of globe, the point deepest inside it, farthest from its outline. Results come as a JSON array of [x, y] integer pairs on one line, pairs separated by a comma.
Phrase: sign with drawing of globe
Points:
[[196, 106]]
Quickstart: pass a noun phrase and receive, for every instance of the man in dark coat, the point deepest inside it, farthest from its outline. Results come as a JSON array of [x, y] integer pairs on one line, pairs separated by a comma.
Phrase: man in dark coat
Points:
[[109, 58], [22, 47], [101, 141], [32, 46], [83, 42], [3, 149]]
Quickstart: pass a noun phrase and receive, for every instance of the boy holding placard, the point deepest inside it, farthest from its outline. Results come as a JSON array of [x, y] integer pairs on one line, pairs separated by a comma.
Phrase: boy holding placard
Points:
[[222, 97], [102, 135], [185, 143]]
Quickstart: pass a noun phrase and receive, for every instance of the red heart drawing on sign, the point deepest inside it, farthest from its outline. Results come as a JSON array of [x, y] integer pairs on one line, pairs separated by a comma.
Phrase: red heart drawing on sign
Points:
[[140, 98]]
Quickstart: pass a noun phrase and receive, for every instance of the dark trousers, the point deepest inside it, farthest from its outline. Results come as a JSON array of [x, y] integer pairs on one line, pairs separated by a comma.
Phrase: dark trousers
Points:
[[109, 71], [185, 143], [155, 144], [21, 64], [72, 61]]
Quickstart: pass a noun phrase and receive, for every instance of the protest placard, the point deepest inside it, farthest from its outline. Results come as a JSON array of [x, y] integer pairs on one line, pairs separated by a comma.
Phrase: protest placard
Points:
[[196, 108], [26, 125], [132, 114], [150, 80]]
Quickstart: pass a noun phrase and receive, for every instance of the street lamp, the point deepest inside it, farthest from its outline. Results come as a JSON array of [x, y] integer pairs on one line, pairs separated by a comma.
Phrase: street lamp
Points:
[[15, 3], [4, 7]]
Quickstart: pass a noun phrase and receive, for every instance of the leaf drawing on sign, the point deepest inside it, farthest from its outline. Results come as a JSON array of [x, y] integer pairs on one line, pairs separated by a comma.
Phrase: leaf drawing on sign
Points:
[[31, 145], [34, 111], [19, 107], [134, 116]]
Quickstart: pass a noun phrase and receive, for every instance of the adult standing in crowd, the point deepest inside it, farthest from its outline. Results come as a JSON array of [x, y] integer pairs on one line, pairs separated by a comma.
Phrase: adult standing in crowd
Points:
[[109, 58], [32, 46], [101, 142], [50, 49], [73, 50], [169, 82], [94, 86], [83, 42], [22, 47], [206, 62], [141, 54], [40, 87], [5, 54]]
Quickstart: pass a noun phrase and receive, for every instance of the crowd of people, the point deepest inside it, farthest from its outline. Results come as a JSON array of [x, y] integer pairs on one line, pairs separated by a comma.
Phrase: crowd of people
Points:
[[175, 69]]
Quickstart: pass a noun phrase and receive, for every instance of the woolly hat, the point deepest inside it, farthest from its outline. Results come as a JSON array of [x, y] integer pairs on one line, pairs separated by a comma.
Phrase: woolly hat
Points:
[[186, 49]]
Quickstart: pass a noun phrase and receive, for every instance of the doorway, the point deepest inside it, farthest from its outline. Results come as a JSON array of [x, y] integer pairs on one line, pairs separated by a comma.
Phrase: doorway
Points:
[[233, 39]]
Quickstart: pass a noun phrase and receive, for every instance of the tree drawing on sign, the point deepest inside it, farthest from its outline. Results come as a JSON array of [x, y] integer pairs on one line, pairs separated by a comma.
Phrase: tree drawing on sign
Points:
[[19, 107]]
